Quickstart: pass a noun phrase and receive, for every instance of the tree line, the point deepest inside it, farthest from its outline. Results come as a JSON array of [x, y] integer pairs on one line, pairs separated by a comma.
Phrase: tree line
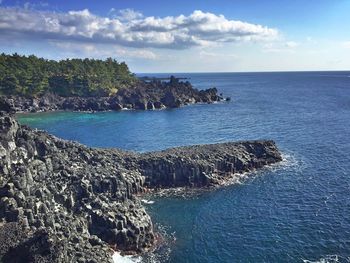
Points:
[[33, 76]]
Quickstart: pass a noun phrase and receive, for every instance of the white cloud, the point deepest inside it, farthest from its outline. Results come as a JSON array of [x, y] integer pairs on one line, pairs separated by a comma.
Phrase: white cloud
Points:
[[292, 44], [346, 44], [129, 28], [72, 49], [140, 53], [216, 55], [280, 47], [128, 14]]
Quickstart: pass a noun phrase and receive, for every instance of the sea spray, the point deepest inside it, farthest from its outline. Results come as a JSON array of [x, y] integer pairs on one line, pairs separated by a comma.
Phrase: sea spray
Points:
[[118, 258]]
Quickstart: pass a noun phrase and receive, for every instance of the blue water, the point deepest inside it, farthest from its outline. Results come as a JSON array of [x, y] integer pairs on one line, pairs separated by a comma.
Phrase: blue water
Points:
[[297, 211]]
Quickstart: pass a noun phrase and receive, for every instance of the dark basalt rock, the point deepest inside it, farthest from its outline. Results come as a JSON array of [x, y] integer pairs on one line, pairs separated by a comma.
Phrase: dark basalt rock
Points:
[[63, 202], [205, 165], [6, 105], [19, 244], [143, 96], [73, 191]]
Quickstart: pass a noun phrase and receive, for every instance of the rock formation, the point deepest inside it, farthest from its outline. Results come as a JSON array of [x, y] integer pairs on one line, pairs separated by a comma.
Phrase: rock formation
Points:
[[144, 96], [61, 201]]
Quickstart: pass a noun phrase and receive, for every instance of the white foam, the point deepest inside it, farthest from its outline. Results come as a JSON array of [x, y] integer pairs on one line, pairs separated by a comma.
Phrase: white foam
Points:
[[149, 202], [328, 259], [289, 162], [117, 258]]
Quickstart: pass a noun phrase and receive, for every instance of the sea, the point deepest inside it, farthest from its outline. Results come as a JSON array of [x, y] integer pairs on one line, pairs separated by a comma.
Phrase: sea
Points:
[[297, 211]]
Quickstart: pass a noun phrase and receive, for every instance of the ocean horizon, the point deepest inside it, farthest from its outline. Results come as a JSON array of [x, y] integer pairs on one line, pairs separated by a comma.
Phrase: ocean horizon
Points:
[[237, 72]]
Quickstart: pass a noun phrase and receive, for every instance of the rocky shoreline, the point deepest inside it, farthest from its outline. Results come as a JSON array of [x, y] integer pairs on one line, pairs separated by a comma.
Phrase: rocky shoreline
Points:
[[61, 201], [151, 95]]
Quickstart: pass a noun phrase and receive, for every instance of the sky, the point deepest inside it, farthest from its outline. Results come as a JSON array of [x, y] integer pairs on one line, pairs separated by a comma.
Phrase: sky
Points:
[[183, 36]]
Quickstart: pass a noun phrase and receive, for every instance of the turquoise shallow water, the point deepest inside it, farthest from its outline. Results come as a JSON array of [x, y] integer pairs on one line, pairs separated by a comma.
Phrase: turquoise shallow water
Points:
[[295, 212]]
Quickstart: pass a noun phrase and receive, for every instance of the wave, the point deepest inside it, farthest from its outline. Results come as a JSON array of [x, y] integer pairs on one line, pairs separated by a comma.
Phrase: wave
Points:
[[329, 259], [290, 162], [148, 202], [118, 258]]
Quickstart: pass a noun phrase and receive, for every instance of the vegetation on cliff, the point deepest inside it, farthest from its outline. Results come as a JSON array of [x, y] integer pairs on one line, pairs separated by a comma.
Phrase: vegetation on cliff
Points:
[[33, 76]]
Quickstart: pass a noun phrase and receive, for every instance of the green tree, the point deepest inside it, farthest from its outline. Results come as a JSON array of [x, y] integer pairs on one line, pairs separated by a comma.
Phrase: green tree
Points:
[[33, 76]]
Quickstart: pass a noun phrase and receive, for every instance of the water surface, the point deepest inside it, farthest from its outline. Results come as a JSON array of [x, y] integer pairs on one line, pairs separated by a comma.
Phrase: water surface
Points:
[[294, 213]]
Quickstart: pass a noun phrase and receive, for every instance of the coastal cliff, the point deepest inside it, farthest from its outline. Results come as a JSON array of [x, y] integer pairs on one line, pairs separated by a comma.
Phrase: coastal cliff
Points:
[[141, 96], [32, 84], [61, 201]]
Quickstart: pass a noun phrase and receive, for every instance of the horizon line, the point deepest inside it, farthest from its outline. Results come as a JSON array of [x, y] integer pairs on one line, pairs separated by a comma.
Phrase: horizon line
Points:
[[230, 72]]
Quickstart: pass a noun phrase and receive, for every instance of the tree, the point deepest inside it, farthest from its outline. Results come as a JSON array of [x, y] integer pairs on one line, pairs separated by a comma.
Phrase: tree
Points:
[[33, 76]]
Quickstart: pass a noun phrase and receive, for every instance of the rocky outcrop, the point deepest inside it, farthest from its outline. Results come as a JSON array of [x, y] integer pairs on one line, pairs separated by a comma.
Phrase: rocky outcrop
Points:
[[144, 96], [205, 165], [18, 244], [77, 194], [63, 202]]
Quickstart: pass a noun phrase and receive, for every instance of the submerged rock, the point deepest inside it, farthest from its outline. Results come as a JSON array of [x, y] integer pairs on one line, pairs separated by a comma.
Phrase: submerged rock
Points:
[[61, 201]]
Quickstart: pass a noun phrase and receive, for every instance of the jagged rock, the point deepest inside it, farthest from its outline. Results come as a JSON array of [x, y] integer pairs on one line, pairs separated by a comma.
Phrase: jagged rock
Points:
[[205, 165], [20, 245], [73, 202], [6, 105], [150, 105], [142, 96], [158, 105]]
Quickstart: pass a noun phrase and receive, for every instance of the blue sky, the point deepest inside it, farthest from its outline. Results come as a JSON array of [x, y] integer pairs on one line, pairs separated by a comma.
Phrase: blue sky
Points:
[[184, 36]]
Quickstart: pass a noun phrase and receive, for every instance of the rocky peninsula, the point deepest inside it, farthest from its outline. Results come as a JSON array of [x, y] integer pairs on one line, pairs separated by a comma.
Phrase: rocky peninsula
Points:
[[32, 84], [61, 201], [150, 95]]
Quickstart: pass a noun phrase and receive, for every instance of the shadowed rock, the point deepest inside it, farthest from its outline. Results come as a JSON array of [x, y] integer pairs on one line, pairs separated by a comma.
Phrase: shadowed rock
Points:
[[20, 245]]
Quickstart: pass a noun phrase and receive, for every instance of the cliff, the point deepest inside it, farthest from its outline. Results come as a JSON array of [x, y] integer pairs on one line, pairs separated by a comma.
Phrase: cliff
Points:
[[61, 201], [32, 84], [141, 96]]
